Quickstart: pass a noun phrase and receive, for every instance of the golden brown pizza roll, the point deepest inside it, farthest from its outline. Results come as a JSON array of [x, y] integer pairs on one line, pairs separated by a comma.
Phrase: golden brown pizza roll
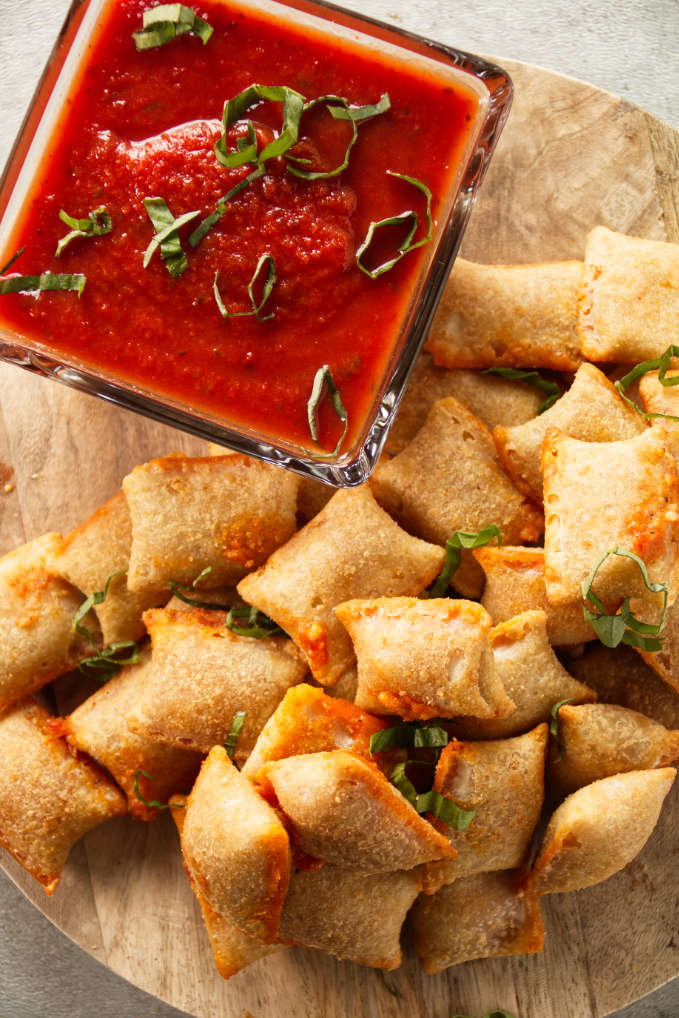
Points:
[[95, 552], [49, 796], [202, 674], [355, 916], [620, 676], [346, 686], [307, 720], [596, 740], [592, 410], [424, 658], [232, 949], [494, 400], [599, 829], [235, 848], [657, 398], [515, 582], [599, 495], [341, 808], [36, 616], [351, 549], [503, 781], [628, 307], [665, 662], [488, 915], [99, 727], [522, 316], [532, 676], [225, 512], [454, 444]]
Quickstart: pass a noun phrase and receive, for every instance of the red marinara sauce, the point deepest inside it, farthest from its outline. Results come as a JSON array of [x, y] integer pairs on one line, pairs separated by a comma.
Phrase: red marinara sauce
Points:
[[143, 124]]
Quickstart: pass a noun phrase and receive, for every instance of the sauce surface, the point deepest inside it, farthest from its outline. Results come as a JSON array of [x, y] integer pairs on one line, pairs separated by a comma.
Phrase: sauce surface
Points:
[[143, 124]]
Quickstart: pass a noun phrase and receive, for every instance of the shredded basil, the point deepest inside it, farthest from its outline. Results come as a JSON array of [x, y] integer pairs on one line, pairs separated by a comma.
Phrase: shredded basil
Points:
[[623, 626], [440, 806], [17, 254], [232, 737], [293, 104], [554, 726], [257, 306], [454, 545], [322, 379], [414, 735], [339, 109], [661, 365], [407, 243], [107, 662], [98, 223], [167, 236], [45, 281], [258, 626], [165, 22], [152, 802], [206, 224], [532, 378]]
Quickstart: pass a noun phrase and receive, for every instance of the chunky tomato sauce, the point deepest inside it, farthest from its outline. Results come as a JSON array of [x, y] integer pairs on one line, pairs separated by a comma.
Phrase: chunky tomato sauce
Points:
[[143, 124]]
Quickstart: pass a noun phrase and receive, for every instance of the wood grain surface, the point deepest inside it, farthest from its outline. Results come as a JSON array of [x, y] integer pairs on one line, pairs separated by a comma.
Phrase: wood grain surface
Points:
[[571, 157]]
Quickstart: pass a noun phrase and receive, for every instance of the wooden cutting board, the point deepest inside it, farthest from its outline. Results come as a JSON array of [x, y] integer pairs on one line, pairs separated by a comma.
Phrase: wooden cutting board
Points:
[[571, 157]]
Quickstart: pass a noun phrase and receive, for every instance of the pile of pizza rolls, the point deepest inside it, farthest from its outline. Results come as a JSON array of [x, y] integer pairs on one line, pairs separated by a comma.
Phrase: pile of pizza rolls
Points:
[[352, 752]]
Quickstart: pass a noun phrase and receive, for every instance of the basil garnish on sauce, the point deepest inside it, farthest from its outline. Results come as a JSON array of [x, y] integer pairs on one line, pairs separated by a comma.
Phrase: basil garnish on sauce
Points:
[[623, 626], [17, 254], [46, 281], [407, 244], [165, 22], [533, 378], [661, 365], [107, 662], [206, 224], [339, 109], [454, 545], [167, 236], [293, 104], [234, 732], [98, 223], [257, 306], [322, 380]]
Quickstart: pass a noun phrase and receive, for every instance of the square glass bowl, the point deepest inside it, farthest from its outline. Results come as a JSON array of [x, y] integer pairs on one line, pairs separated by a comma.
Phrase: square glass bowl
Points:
[[285, 326]]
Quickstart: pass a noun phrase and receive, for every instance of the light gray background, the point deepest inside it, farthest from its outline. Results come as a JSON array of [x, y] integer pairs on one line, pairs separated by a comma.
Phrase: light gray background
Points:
[[626, 46]]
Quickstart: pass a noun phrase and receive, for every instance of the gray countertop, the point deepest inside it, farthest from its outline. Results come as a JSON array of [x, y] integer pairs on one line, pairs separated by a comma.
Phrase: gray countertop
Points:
[[631, 49]]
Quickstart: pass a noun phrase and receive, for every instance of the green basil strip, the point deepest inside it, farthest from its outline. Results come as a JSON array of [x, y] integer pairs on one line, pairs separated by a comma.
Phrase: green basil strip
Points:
[[661, 365], [297, 170], [624, 626], [98, 223], [45, 281], [400, 779], [166, 21], [98, 597], [551, 389], [269, 282], [445, 809], [258, 626], [407, 244], [322, 379], [460, 539], [293, 105], [151, 802], [389, 984], [167, 236], [404, 736], [107, 662], [554, 726], [359, 113], [17, 254], [206, 224], [234, 732]]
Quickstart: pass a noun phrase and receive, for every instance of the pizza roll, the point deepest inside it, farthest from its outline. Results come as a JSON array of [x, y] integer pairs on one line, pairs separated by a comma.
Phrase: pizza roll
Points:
[[99, 727], [599, 495], [353, 915], [351, 549], [503, 782], [620, 676], [494, 400], [628, 305], [225, 512], [36, 616], [522, 316], [531, 674], [341, 808], [596, 740], [488, 915], [346, 686], [235, 848], [91, 555], [515, 582], [453, 443], [232, 949], [202, 674], [592, 410], [307, 720], [599, 829], [657, 398], [49, 796], [665, 662], [424, 658]]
